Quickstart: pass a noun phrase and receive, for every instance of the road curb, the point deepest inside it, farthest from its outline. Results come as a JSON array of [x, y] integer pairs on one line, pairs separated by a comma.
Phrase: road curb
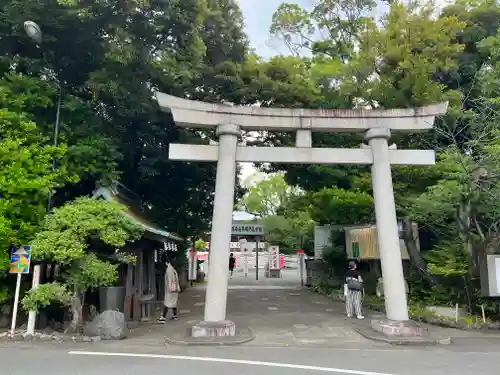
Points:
[[422, 341]]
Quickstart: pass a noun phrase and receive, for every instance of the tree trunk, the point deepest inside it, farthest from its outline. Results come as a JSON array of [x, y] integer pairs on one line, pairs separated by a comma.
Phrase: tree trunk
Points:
[[76, 311], [464, 227], [416, 259]]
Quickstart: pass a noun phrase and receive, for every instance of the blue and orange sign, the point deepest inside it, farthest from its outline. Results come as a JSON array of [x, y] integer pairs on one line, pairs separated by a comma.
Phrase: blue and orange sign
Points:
[[20, 260]]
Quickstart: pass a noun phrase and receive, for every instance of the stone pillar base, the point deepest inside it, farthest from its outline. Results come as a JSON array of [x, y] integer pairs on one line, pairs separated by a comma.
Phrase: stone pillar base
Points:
[[397, 328], [225, 328]]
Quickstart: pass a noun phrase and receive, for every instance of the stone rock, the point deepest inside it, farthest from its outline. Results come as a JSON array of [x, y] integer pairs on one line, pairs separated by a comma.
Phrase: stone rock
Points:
[[108, 325]]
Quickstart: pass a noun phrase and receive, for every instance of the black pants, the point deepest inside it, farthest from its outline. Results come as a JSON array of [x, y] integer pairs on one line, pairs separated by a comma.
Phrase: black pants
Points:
[[231, 271], [165, 311]]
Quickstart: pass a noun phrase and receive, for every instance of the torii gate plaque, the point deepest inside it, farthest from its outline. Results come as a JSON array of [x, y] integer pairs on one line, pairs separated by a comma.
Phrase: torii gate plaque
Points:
[[376, 126]]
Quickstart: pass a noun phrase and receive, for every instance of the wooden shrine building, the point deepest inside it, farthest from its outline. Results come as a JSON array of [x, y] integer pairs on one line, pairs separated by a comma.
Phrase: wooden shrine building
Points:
[[143, 282]]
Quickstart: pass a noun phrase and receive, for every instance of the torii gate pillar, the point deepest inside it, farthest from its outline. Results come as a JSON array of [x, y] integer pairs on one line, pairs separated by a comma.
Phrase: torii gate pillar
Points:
[[387, 225], [216, 297]]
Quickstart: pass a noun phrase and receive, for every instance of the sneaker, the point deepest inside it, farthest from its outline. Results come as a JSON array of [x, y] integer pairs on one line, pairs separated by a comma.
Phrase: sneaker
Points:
[[174, 317], [349, 316], [161, 319], [360, 317]]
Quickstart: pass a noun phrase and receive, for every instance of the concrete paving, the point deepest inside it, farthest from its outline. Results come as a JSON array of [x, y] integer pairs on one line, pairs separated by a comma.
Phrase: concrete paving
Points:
[[297, 332], [280, 314], [278, 311]]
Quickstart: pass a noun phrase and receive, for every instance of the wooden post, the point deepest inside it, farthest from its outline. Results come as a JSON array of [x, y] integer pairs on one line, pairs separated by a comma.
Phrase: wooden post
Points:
[[140, 284], [137, 286], [151, 277], [127, 308]]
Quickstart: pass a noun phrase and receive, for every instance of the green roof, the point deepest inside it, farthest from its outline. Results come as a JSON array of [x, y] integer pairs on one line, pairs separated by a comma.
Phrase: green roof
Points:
[[109, 195]]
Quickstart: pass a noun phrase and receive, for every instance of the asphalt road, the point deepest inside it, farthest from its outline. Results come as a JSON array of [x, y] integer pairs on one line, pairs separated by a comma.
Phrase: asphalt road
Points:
[[119, 360]]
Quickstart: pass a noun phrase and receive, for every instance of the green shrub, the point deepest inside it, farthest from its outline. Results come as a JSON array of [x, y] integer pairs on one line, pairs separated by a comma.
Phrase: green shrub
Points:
[[44, 295]]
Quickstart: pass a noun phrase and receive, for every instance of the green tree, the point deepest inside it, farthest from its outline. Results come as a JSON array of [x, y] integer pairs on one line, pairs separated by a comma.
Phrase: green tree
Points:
[[26, 177], [81, 237], [109, 58], [391, 63], [290, 232], [341, 207], [265, 197], [272, 201]]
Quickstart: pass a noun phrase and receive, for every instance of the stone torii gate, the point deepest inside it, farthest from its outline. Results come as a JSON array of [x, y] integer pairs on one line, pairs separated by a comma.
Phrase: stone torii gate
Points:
[[376, 125]]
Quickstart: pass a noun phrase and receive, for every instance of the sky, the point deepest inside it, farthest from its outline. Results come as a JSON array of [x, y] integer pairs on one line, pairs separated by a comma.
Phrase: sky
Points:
[[258, 16]]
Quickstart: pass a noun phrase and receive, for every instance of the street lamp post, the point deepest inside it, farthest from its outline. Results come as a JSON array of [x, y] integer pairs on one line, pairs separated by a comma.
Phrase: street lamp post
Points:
[[34, 32]]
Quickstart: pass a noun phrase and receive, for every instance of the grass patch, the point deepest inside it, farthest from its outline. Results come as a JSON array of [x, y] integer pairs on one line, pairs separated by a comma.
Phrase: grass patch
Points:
[[416, 311]]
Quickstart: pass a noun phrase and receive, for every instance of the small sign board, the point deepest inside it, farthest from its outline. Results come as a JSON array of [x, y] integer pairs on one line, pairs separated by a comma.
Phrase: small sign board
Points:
[[247, 230], [246, 248], [20, 260], [274, 257], [490, 275]]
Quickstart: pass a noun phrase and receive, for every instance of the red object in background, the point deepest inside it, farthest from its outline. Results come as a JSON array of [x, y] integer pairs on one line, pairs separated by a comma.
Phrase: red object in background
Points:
[[299, 252], [282, 261], [203, 256]]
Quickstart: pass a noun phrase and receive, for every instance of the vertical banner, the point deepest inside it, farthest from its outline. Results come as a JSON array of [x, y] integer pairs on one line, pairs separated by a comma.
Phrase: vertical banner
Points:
[[301, 265], [246, 251], [257, 251], [274, 257], [192, 264]]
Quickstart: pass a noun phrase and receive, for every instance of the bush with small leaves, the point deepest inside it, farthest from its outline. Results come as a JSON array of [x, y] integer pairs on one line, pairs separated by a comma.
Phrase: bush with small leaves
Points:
[[44, 295]]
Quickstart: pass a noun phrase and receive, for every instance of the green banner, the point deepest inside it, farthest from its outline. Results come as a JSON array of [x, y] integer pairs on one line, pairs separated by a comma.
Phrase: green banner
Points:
[[355, 250]]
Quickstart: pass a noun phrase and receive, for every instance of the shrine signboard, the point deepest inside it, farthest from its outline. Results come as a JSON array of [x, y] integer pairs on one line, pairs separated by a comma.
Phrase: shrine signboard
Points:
[[247, 230]]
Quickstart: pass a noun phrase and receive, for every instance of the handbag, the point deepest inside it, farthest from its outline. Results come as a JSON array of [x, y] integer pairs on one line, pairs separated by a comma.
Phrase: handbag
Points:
[[173, 284], [354, 284], [173, 287]]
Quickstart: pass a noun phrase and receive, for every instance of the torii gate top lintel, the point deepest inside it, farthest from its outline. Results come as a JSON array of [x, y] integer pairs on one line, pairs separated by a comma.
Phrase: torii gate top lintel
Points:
[[196, 114]]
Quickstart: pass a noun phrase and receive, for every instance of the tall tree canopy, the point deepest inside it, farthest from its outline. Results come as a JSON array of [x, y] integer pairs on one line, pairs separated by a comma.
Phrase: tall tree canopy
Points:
[[108, 58]]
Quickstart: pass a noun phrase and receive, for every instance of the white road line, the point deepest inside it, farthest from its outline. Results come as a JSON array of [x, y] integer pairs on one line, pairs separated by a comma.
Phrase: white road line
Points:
[[227, 360]]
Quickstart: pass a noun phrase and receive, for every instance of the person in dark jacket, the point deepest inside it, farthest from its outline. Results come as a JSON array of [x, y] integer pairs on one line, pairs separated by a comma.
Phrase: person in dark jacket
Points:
[[353, 291], [232, 262]]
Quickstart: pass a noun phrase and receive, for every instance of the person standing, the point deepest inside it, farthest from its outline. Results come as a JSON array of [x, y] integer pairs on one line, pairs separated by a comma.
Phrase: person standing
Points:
[[353, 290], [232, 262], [172, 290]]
